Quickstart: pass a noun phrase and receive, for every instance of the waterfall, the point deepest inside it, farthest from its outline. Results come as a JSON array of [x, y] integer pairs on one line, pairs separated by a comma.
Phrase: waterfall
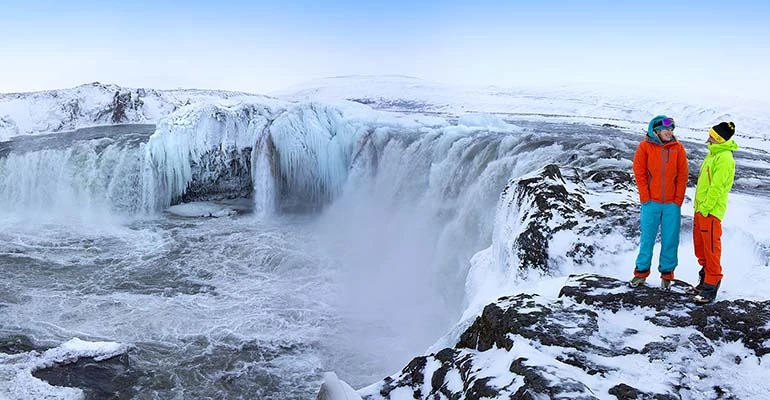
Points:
[[263, 176], [74, 174]]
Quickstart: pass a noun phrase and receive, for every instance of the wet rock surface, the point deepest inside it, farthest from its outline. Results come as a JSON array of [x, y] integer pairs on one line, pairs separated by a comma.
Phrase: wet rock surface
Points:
[[100, 380]]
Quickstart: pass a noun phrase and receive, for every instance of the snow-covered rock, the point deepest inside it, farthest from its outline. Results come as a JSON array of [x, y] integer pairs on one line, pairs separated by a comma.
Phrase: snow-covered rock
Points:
[[76, 369], [598, 340]]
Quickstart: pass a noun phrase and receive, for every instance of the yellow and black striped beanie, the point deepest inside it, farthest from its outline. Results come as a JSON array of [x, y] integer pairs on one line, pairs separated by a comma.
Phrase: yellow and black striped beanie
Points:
[[722, 131]]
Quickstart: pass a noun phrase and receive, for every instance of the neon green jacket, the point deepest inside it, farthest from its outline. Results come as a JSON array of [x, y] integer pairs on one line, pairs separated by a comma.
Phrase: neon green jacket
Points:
[[716, 177]]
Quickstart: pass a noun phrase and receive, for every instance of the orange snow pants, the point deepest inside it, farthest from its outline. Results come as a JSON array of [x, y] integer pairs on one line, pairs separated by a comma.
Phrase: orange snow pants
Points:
[[707, 241]]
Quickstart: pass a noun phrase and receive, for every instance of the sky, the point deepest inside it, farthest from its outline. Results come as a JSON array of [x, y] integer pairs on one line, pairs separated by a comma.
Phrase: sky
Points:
[[263, 46]]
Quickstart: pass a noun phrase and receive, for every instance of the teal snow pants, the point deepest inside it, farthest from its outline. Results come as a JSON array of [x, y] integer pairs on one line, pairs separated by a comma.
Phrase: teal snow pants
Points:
[[666, 217]]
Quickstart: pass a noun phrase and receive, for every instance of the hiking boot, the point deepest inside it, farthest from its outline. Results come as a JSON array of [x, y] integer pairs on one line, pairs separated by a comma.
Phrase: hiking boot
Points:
[[707, 294], [636, 281], [697, 288]]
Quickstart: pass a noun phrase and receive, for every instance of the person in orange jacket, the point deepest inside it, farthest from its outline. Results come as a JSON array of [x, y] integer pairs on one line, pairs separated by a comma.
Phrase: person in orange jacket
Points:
[[661, 172]]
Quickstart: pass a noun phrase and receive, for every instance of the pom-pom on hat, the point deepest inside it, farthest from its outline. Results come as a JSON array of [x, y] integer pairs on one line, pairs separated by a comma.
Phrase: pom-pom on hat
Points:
[[722, 131]]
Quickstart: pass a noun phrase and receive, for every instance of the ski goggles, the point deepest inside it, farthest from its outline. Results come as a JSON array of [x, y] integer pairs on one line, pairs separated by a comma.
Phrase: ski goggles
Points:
[[665, 123]]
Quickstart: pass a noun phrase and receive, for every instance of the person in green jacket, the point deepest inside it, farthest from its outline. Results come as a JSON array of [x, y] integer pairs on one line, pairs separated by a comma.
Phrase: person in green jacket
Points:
[[715, 180]]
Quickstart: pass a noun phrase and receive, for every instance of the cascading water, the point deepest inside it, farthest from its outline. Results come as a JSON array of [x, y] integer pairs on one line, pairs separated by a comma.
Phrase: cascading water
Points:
[[82, 176], [263, 173], [414, 210]]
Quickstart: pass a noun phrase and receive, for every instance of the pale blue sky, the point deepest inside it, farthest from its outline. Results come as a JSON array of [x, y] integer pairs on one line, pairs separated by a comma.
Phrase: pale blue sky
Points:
[[260, 46]]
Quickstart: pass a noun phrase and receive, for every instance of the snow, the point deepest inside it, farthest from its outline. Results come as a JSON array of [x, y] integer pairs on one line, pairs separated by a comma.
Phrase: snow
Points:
[[484, 121], [201, 209], [333, 388]]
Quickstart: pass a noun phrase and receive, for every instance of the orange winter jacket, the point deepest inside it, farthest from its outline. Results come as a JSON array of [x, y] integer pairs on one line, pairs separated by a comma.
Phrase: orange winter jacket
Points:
[[660, 170]]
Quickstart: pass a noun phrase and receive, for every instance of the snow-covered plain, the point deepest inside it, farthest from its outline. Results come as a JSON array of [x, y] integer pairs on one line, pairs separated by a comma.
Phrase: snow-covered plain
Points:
[[362, 110], [628, 106]]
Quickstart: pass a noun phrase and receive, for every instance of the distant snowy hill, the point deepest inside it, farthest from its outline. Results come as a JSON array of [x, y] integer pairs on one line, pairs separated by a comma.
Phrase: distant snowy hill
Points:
[[103, 104], [97, 104], [627, 107]]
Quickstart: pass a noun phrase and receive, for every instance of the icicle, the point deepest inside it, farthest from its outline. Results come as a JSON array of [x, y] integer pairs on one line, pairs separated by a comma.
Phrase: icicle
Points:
[[314, 145]]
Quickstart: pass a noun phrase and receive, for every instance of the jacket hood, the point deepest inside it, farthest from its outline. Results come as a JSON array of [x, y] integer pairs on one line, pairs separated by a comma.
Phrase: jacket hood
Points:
[[652, 136]]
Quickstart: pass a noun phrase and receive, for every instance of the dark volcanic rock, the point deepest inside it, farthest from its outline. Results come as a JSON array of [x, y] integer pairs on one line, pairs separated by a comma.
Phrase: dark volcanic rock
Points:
[[124, 101], [543, 196], [100, 379]]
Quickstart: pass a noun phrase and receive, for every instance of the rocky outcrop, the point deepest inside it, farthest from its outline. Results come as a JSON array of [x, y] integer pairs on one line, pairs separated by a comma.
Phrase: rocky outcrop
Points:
[[595, 342], [565, 200], [123, 103], [541, 197]]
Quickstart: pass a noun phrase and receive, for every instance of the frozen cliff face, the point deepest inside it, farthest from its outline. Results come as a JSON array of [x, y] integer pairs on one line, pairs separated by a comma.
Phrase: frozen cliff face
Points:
[[203, 152], [295, 155], [313, 146]]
